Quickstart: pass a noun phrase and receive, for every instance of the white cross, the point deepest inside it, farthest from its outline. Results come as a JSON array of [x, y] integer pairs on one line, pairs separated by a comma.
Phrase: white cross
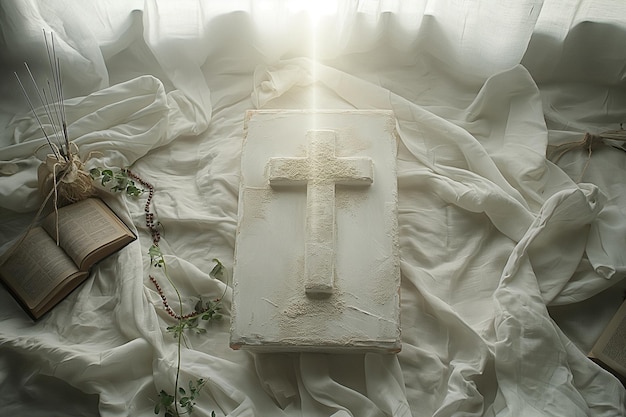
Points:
[[320, 171]]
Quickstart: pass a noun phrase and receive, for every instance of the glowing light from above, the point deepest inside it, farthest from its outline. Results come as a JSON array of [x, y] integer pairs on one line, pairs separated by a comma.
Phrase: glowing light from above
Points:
[[315, 8]]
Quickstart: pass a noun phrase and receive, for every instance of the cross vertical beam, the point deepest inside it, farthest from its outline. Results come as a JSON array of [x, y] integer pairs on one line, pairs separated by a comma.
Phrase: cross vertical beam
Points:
[[320, 171]]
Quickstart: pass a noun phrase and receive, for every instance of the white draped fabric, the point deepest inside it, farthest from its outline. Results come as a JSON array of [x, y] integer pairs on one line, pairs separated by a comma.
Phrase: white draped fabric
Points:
[[512, 262]]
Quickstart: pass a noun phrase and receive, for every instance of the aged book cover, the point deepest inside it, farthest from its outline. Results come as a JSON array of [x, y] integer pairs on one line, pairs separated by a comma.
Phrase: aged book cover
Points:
[[610, 349], [317, 263], [39, 273]]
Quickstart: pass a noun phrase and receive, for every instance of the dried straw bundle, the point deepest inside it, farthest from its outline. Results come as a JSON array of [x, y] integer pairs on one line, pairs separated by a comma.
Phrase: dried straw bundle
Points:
[[66, 179], [61, 176], [62, 173]]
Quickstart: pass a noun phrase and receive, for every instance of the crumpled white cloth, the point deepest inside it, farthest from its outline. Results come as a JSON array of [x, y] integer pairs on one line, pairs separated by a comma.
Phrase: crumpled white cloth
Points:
[[491, 232], [492, 235], [112, 127]]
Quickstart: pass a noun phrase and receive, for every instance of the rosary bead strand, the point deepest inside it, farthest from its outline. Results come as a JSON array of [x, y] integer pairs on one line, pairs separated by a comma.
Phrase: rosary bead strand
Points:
[[156, 237]]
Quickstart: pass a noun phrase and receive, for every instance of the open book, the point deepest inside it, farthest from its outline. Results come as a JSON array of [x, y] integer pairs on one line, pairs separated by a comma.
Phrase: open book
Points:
[[609, 350], [40, 274]]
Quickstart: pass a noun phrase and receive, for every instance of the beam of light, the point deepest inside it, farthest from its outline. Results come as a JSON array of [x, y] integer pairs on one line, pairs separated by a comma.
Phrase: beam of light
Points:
[[314, 58], [315, 10]]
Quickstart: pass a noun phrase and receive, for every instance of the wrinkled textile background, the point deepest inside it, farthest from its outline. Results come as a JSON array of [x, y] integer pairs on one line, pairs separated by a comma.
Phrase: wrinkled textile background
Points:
[[511, 263]]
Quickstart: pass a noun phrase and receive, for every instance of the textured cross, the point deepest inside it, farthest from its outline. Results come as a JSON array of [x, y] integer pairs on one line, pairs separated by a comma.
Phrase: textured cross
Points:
[[320, 171]]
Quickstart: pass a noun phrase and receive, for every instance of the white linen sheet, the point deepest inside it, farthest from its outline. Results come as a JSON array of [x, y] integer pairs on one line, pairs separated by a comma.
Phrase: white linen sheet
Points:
[[511, 263]]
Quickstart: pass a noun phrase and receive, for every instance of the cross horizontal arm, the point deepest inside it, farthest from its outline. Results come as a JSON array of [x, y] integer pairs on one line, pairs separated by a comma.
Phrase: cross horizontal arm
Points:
[[288, 171], [361, 172]]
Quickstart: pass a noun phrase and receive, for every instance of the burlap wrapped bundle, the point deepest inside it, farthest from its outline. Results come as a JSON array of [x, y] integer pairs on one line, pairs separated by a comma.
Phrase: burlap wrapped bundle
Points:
[[65, 180]]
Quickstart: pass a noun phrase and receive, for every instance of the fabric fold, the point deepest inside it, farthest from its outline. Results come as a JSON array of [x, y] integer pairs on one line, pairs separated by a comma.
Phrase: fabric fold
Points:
[[493, 236]]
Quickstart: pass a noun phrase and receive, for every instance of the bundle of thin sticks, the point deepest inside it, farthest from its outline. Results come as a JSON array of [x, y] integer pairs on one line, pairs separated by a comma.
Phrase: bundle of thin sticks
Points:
[[62, 175]]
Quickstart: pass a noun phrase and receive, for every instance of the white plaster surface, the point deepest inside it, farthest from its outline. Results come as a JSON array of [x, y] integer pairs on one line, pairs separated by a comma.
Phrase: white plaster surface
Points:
[[317, 261]]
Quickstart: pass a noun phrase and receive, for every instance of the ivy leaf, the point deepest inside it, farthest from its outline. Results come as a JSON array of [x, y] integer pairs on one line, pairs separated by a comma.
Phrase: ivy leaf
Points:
[[198, 308], [218, 270], [122, 181], [154, 251], [107, 175], [133, 191], [166, 399], [156, 257]]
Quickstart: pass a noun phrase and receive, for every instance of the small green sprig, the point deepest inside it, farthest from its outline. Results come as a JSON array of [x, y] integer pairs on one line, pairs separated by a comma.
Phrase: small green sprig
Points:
[[203, 310], [183, 401], [186, 401], [122, 182], [156, 256], [218, 270]]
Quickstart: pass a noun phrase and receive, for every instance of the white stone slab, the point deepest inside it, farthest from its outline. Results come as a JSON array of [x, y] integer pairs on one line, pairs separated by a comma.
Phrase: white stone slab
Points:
[[316, 257]]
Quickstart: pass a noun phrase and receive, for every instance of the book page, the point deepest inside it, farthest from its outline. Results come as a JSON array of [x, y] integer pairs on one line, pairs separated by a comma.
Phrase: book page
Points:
[[36, 267], [610, 346], [85, 227], [614, 347]]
